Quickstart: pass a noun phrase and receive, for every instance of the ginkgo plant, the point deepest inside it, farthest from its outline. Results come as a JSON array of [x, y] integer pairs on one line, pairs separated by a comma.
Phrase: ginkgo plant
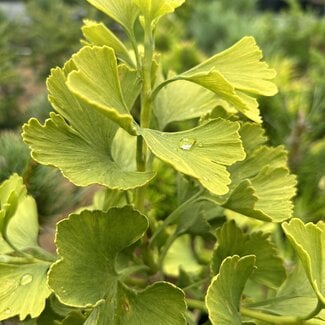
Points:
[[220, 256]]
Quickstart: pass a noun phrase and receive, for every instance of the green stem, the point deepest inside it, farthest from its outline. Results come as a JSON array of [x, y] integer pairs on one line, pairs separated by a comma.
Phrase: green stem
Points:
[[196, 304], [174, 216], [275, 319]]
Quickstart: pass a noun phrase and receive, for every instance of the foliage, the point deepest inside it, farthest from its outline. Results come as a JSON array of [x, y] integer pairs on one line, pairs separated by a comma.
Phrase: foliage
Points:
[[122, 260]]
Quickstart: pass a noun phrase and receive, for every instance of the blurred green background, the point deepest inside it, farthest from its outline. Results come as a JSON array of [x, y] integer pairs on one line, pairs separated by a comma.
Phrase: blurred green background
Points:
[[37, 35]]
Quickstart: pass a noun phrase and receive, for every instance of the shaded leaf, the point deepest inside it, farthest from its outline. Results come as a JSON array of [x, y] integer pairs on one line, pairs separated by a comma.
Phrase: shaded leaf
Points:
[[161, 303], [308, 240], [180, 256], [96, 82], [89, 245], [232, 241], [226, 288], [294, 298], [124, 12], [182, 100], [202, 152], [98, 34], [78, 141]]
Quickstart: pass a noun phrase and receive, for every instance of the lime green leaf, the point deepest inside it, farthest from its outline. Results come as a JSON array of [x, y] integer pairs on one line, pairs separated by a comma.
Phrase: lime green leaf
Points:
[[12, 191], [266, 196], [23, 289], [224, 293], [241, 66], [308, 240], [96, 82], [262, 186], [98, 34], [180, 255], [130, 84], [154, 9], [202, 152], [23, 227], [232, 241], [182, 100], [125, 12], [82, 148], [89, 245], [234, 75]]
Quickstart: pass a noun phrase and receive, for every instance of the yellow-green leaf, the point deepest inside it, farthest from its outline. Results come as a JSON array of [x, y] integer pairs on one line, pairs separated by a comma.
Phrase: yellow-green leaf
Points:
[[96, 82], [98, 34], [308, 240], [154, 9], [125, 12], [202, 152], [226, 288], [79, 141]]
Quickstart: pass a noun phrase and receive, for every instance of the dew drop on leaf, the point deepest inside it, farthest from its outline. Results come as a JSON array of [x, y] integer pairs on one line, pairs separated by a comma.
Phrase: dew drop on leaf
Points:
[[186, 143], [26, 279]]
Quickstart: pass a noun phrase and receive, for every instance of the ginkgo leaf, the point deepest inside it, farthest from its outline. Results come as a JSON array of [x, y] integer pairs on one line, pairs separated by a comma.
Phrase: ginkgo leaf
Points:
[[98, 34], [232, 241], [202, 152], [130, 84], [125, 12], [161, 303], [23, 228], [89, 245], [182, 100], [154, 9], [262, 186], [78, 141], [12, 191], [23, 289], [266, 196], [234, 75], [96, 82], [180, 256], [225, 291], [308, 240], [295, 298]]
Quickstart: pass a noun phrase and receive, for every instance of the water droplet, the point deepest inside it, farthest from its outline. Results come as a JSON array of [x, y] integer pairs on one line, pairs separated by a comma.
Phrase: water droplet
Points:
[[63, 291], [205, 179], [200, 145], [26, 279], [186, 143]]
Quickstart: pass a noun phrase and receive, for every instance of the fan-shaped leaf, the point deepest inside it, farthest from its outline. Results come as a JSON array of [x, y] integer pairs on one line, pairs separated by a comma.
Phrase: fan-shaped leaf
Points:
[[234, 75], [124, 12], [232, 241], [308, 240], [82, 148], [23, 289], [226, 288], [96, 81], [262, 186], [202, 152], [89, 245], [98, 34]]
